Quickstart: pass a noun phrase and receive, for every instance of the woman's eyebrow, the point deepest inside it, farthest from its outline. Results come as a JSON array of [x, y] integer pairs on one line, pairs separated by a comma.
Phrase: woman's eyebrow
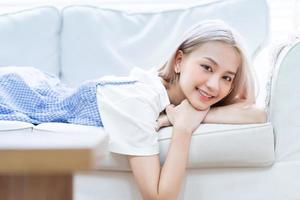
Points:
[[215, 63], [211, 60], [232, 73]]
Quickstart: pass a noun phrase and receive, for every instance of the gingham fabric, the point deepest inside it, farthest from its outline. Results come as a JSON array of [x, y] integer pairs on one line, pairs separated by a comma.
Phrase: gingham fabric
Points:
[[31, 96]]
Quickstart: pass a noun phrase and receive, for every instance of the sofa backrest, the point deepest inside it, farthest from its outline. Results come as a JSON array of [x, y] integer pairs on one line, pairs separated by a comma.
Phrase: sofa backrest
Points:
[[31, 38], [84, 42], [99, 41]]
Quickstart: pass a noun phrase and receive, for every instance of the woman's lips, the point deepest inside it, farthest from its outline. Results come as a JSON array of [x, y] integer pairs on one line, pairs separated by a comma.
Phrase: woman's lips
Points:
[[204, 96]]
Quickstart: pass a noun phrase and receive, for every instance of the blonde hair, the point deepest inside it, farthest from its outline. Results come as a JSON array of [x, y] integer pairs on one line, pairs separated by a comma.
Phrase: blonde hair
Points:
[[215, 30]]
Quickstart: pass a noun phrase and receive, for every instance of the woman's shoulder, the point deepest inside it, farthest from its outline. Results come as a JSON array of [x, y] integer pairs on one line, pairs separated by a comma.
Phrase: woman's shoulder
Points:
[[126, 87], [140, 85], [138, 79], [151, 79]]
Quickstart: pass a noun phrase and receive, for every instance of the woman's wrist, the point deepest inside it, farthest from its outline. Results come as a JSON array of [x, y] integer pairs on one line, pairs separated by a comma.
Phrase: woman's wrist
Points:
[[211, 116], [181, 129]]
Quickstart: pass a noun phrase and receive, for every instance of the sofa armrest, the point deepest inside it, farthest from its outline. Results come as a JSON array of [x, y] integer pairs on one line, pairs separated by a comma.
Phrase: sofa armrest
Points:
[[214, 145], [283, 103], [227, 145]]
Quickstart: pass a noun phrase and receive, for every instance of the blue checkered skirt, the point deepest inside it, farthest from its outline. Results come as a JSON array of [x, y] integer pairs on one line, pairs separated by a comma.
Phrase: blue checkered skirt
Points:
[[29, 95]]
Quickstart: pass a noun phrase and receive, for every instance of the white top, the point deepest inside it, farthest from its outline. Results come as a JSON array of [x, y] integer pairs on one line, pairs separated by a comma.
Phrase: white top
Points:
[[129, 107]]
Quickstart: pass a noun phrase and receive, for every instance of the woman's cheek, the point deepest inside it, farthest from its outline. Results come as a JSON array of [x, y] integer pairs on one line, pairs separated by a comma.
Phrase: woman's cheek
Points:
[[225, 89]]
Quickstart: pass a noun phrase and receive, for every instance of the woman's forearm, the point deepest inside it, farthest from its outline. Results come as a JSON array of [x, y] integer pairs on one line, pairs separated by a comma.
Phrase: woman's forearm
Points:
[[238, 113], [173, 171]]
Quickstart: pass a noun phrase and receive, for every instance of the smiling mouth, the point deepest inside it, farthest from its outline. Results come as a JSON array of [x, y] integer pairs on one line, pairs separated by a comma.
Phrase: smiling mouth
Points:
[[204, 96]]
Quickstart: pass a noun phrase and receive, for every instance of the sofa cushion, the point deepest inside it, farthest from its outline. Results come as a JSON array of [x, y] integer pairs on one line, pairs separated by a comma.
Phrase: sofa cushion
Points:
[[213, 145], [100, 41], [66, 128], [31, 38], [15, 126], [226, 145]]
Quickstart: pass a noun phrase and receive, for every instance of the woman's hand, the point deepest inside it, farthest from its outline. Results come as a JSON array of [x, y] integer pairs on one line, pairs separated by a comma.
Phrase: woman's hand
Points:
[[183, 116], [162, 121]]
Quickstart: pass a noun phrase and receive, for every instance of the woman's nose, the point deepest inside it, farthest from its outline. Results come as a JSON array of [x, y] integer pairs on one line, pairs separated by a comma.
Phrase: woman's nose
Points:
[[213, 83]]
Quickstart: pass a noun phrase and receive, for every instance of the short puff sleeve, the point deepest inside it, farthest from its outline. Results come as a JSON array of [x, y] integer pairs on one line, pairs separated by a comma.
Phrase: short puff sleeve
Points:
[[130, 123]]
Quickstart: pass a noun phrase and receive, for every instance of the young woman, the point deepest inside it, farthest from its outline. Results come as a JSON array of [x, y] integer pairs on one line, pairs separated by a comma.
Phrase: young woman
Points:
[[206, 80]]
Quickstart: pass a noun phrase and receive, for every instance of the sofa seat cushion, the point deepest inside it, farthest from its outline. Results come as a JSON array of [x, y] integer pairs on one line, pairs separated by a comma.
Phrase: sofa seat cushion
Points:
[[67, 128], [213, 145], [15, 126]]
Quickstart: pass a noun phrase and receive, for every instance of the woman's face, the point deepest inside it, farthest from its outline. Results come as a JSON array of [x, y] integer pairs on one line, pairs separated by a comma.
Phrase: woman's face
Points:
[[207, 73]]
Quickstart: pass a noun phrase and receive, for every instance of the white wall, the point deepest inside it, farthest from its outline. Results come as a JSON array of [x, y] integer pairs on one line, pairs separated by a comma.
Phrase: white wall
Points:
[[284, 25]]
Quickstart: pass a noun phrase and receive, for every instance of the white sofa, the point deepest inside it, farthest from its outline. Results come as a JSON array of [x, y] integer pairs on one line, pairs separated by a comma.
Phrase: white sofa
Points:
[[251, 161]]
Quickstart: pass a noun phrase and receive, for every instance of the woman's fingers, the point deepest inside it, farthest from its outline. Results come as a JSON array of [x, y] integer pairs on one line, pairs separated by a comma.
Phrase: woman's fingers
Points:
[[162, 121], [165, 119], [170, 111], [183, 115]]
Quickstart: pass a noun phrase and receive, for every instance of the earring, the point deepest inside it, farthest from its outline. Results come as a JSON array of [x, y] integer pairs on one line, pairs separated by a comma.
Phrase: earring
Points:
[[177, 69], [177, 72]]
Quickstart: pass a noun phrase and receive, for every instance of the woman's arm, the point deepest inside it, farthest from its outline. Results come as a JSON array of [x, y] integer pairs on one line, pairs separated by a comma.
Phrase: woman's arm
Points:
[[164, 183], [237, 113]]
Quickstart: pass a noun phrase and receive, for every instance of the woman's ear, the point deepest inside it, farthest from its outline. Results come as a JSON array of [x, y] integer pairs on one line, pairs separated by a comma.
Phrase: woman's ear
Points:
[[178, 60]]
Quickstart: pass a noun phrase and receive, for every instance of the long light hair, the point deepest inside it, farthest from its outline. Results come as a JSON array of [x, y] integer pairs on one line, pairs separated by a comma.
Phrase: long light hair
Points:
[[215, 30]]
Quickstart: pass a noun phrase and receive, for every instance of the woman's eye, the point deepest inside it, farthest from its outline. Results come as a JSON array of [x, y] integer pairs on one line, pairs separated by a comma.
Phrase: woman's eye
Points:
[[207, 68], [227, 78]]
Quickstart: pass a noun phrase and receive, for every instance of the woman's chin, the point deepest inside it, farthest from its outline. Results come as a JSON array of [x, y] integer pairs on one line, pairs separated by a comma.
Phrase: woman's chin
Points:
[[198, 105], [201, 108]]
